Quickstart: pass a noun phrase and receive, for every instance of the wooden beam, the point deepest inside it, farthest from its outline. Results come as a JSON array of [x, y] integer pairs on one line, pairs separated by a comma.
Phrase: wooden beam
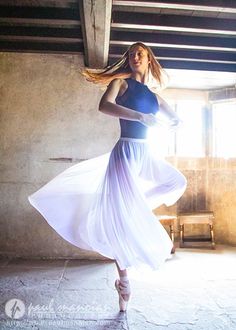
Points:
[[192, 65], [41, 39], [126, 5], [40, 3], [154, 28], [42, 47], [39, 12], [189, 64], [6, 30], [193, 55], [31, 16], [39, 22], [173, 23], [96, 22], [194, 41], [177, 47]]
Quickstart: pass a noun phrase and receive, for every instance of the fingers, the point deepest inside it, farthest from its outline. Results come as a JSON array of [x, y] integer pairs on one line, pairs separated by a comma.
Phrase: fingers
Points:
[[175, 124]]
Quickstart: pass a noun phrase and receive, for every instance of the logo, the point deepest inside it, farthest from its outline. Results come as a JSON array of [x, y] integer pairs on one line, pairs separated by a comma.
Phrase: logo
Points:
[[15, 308]]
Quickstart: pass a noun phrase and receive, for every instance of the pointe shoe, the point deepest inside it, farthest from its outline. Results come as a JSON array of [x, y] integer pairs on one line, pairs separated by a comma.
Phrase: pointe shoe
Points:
[[123, 288], [173, 250]]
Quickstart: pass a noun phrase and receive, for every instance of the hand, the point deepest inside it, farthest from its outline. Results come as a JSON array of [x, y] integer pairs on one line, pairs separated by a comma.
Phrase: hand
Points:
[[175, 123], [149, 119]]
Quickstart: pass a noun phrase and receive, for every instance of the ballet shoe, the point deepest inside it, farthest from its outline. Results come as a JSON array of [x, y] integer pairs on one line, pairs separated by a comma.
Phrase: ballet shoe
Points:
[[173, 250], [123, 288]]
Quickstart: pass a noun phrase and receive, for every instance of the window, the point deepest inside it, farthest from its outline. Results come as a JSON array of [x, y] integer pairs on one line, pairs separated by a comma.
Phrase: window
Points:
[[187, 141], [224, 131], [189, 138], [161, 140]]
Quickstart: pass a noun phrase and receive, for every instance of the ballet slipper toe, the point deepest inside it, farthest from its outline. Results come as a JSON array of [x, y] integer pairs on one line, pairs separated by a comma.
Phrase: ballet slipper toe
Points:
[[123, 290]]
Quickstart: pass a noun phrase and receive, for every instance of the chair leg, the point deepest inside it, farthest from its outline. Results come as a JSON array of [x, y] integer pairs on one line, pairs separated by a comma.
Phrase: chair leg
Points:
[[172, 236], [212, 237], [172, 233], [181, 235]]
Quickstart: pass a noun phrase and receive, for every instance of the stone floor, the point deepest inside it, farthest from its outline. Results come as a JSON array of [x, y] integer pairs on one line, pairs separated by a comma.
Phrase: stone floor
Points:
[[195, 289]]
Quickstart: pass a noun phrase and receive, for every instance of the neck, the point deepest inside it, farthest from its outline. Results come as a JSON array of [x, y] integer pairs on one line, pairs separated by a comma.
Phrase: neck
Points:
[[140, 76]]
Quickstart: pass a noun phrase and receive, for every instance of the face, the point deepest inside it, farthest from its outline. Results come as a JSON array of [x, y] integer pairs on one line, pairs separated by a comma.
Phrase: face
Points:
[[138, 59]]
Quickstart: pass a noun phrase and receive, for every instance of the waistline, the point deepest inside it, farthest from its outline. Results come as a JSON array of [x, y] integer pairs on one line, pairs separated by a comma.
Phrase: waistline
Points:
[[132, 139]]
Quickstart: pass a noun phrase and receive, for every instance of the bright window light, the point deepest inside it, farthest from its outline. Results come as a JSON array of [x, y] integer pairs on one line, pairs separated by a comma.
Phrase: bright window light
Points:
[[187, 140], [189, 137], [224, 132], [161, 139]]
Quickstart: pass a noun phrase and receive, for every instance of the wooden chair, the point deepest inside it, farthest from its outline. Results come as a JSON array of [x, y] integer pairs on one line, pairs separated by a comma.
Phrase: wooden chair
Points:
[[169, 220], [203, 217]]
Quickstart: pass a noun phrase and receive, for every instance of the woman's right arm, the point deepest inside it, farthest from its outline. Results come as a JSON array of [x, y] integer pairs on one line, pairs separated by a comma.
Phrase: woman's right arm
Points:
[[107, 105]]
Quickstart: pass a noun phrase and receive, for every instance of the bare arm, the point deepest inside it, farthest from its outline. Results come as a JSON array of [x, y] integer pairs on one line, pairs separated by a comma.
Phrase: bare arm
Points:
[[169, 112], [107, 105]]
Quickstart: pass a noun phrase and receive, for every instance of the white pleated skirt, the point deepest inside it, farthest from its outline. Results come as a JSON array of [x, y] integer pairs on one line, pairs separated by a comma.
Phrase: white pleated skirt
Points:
[[105, 204]]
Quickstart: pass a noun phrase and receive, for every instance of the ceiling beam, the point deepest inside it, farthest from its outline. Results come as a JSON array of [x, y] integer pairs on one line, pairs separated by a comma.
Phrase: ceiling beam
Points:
[[188, 64], [96, 23], [38, 22], [226, 7], [162, 28], [39, 12], [192, 65], [173, 23], [201, 55], [182, 47], [38, 16], [42, 47], [41, 39], [41, 31], [175, 40], [177, 47], [40, 3]]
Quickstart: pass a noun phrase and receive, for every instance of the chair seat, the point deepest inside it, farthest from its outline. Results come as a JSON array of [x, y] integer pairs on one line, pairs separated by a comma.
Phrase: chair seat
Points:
[[203, 217]]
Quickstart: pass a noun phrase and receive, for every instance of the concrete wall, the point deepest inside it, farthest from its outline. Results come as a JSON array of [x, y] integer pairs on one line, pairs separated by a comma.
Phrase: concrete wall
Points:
[[48, 112]]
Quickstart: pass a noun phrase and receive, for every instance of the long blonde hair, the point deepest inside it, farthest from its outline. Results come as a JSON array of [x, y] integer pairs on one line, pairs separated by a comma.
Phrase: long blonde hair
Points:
[[121, 69]]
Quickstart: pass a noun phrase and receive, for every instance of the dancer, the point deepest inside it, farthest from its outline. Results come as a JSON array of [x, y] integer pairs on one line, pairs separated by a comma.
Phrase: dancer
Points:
[[105, 204]]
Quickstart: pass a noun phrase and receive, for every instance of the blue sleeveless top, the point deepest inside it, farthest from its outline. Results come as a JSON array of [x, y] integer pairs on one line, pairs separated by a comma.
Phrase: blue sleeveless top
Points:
[[137, 97]]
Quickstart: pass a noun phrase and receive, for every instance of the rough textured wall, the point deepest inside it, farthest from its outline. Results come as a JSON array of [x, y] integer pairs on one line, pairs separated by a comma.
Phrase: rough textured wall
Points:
[[211, 186], [49, 111], [222, 198]]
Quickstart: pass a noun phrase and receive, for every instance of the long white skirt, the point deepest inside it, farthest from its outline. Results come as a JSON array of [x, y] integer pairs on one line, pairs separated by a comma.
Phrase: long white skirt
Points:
[[105, 204]]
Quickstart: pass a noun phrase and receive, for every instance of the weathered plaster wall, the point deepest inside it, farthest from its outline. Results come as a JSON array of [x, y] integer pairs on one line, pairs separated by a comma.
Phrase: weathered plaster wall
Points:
[[211, 186], [49, 111]]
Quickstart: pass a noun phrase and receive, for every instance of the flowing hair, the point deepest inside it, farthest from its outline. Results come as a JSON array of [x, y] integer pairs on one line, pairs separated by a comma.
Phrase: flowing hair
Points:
[[121, 69]]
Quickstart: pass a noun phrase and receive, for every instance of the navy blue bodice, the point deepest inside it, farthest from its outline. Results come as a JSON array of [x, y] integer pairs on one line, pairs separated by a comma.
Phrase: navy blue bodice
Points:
[[137, 97]]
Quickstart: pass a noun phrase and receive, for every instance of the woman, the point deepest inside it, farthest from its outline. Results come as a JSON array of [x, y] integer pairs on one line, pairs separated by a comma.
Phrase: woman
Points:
[[105, 204]]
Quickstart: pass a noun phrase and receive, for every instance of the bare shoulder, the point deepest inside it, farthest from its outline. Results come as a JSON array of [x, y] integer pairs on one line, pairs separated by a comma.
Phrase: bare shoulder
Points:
[[118, 85], [123, 86], [116, 82]]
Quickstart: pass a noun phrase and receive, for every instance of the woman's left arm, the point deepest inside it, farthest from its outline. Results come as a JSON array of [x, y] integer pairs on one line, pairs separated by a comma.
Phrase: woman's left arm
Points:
[[169, 112]]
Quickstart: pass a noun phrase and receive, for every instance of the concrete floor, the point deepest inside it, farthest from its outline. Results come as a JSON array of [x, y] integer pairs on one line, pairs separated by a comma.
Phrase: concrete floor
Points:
[[195, 289]]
